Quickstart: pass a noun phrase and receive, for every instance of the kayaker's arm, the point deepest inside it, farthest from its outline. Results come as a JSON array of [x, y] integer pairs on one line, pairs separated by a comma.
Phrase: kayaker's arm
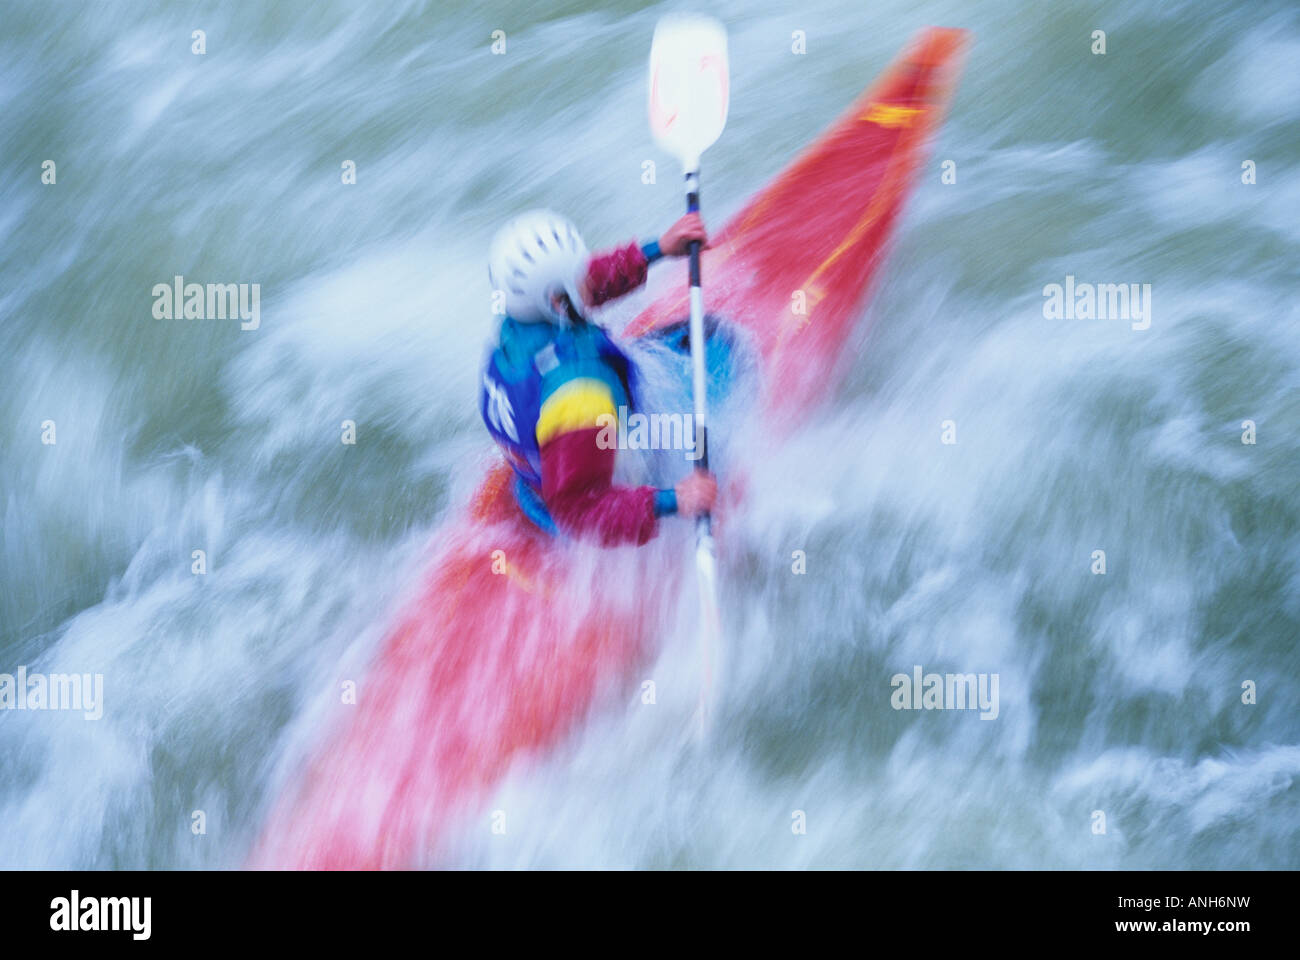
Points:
[[619, 272], [577, 462], [578, 472], [611, 275], [577, 486], [582, 499]]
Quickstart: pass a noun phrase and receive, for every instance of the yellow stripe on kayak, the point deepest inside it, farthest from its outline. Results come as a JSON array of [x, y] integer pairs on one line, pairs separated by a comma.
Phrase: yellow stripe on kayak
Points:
[[886, 191], [574, 406], [889, 115]]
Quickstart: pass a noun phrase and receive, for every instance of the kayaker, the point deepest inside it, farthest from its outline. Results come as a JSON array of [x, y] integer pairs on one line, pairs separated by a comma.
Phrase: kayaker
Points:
[[553, 373]]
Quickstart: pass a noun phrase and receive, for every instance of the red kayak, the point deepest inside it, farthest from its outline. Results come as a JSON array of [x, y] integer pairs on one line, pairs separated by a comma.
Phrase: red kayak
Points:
[[515, 636]]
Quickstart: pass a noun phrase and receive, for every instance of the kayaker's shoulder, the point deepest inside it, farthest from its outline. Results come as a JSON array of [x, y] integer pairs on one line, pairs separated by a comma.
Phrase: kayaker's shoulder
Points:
[[517, 342]]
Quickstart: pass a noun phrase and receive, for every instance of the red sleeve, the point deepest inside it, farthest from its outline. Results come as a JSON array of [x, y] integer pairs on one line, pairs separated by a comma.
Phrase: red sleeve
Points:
[[610, 275], [577, 486]]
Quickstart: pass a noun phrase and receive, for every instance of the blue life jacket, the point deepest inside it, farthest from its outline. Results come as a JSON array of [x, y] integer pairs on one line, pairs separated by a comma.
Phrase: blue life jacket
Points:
[[530, 362]]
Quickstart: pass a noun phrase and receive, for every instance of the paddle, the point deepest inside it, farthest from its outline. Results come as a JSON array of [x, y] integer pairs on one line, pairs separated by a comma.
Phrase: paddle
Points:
[[689, 95]]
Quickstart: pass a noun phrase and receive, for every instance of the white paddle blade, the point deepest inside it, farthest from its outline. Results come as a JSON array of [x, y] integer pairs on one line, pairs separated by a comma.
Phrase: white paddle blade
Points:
[[689, 85]]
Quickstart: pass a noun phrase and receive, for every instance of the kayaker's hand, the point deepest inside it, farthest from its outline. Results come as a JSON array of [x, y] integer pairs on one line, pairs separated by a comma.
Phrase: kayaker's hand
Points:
[[677, 239], [696, 493]]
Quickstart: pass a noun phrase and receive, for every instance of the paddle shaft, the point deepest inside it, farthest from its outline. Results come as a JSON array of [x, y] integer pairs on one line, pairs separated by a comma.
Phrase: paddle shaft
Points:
[[698, 364]]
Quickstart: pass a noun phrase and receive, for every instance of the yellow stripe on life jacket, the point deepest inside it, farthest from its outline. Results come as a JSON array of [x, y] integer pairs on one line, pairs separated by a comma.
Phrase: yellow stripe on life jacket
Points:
[[574, 406]]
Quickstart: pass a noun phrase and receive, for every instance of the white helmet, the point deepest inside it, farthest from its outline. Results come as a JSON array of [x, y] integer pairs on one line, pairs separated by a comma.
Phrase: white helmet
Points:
[[534, 257]]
